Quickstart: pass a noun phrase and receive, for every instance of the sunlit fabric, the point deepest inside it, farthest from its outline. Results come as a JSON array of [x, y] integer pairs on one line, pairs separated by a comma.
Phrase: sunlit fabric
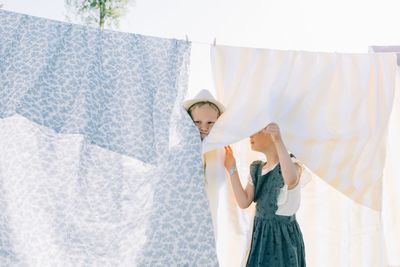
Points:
[[334, 111], [99, 163]]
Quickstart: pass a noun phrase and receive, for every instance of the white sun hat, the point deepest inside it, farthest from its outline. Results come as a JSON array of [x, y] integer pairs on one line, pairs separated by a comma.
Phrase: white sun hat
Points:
[[203, 96]]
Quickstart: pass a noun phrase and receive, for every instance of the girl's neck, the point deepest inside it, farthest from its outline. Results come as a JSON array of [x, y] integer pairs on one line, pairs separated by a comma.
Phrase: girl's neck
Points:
[[272, 157]]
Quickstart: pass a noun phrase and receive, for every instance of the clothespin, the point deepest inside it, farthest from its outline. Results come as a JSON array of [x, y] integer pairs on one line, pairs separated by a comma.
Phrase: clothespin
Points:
[[215, 41], [187, 38]]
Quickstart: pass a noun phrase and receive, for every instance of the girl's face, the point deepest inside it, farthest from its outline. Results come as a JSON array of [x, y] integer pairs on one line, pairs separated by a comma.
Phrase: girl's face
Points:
[[260, 141], [204, 117]]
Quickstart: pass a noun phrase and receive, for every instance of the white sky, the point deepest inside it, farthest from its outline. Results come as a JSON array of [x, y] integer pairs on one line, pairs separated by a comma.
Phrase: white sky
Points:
[[313, 25]]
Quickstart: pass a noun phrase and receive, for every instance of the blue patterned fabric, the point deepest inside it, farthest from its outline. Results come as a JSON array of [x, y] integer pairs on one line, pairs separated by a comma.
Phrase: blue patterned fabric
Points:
[[99, 164]]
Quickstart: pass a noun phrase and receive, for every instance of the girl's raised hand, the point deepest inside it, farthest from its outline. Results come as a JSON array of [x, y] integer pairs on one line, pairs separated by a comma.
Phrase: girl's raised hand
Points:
[[273, 130], [229, 158]]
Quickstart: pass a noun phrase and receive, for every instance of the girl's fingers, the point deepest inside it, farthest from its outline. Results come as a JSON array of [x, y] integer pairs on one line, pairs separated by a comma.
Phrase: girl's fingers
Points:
[[272, 126]]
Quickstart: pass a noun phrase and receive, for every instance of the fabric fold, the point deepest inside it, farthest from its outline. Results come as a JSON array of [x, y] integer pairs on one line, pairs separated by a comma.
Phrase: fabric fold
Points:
[[333, 109], [99, 165]]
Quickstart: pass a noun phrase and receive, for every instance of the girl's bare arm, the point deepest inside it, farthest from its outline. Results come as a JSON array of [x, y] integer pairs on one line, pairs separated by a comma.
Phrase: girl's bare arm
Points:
[[244, 197]]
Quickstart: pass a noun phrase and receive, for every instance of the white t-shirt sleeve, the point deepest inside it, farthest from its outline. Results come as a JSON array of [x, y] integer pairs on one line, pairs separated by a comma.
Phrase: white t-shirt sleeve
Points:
[[288, 199]]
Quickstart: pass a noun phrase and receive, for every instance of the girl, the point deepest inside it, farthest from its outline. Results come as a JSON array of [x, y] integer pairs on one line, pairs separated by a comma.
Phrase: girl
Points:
[[274, 187]]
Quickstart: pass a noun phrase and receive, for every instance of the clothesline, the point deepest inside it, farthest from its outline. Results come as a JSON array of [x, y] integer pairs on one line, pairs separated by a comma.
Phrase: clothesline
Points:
[[201, 43], [374, 48], [377, 49]]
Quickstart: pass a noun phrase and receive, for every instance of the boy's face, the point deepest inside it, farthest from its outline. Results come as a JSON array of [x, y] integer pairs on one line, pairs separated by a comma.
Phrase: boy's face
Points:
[[204, 117]]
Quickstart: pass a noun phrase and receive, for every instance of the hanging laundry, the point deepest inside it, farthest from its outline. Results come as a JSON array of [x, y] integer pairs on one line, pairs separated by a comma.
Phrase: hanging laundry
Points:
[[99, 164], [334, 112], [334, 109]]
